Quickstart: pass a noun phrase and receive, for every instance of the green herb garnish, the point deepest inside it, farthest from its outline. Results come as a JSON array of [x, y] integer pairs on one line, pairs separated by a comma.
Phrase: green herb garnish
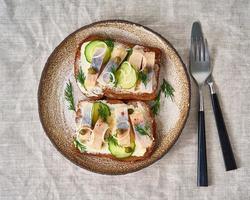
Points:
[[79, 146], [68, 93], [143, 77], [113, 140], [130, 111], [130, 51], [142, 130], [156, 104], [128, 149], [81, 77], [109, 43], [113, 71], [104, 111], [167, 89]]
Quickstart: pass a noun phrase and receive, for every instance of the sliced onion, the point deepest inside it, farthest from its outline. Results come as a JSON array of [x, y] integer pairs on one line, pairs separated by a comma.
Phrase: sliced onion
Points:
[[106, 78], [78, 133]]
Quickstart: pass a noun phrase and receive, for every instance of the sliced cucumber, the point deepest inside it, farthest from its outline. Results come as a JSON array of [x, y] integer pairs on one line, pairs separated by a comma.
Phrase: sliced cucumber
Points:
[[91, 48], [95, 111], [119, 151], [126, 76]]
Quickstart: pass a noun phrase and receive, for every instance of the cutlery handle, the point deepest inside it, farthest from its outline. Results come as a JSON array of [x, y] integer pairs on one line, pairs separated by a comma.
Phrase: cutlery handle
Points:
[[227, 151], [202, 154]]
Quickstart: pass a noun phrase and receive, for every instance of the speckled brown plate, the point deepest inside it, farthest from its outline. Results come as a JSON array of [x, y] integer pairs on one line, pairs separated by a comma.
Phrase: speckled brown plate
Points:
[[58, 122]]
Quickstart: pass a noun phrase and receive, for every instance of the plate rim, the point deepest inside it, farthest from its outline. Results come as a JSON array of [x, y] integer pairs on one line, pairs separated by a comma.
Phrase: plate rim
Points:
[[40, 90]]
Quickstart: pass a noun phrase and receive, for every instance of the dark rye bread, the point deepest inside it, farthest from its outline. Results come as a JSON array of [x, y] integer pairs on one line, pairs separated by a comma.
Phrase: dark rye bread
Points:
[[115, 93], [131, 158]]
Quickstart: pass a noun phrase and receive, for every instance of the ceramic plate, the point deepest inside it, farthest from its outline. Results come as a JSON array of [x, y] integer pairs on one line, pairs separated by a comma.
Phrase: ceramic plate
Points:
[[58, 121]]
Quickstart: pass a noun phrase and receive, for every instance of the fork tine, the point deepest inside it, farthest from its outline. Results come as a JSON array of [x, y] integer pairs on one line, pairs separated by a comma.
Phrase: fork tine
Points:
[[192, 49], [202, 49], [206, 51], [197, 50]]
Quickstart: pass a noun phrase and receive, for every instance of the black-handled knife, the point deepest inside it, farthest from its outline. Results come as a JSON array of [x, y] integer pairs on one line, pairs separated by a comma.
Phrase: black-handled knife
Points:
[[227, 151]]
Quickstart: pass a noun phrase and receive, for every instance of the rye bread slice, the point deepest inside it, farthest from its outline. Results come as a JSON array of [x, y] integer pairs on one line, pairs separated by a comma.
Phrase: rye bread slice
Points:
[[115, 93], [149, 150]]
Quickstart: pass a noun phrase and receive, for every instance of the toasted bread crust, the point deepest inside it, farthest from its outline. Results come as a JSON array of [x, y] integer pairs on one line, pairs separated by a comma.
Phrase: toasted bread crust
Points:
[[131, 158], [116, 94]]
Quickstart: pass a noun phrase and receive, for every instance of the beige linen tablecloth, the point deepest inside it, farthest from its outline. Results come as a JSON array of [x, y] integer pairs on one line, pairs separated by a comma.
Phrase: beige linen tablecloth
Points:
[[31, 168]]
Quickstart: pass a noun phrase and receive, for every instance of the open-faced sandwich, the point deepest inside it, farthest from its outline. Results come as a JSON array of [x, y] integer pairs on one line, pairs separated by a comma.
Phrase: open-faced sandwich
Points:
[[108, 71], [118, 70], [115, 129]]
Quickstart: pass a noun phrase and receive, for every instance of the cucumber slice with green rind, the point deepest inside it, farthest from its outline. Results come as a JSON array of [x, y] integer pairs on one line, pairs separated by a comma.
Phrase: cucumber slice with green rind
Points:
[[95, 111], [91, 48], [126, 76], [119, 151]]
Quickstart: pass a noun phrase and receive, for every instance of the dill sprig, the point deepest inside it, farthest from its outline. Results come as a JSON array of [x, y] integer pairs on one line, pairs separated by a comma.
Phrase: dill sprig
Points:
[[156, 104], [109, 43], [81, 77], [130, 51], [112, 139], [68, 93], [142, 130], [167, 89], [143, 77], [79, 146], [104, 111], [113, 71]]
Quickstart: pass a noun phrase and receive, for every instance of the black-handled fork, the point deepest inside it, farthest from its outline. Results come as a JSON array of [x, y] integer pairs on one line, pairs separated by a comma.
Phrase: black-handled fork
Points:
[[200, 70], [225, 144]]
